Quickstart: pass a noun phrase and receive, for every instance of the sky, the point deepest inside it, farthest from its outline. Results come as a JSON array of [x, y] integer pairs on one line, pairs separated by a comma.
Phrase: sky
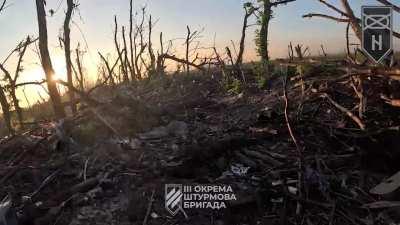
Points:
[[221, 20]]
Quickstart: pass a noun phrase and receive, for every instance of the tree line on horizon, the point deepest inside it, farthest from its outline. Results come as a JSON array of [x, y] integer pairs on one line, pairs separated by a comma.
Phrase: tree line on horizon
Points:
[[137, 59]]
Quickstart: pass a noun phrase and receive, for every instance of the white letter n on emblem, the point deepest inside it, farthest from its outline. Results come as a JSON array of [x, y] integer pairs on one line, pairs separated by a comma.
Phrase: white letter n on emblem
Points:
[[376, 42]]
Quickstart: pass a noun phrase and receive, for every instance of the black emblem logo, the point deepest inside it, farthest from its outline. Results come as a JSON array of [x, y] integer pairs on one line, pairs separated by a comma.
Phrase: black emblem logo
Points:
[[377, 31]]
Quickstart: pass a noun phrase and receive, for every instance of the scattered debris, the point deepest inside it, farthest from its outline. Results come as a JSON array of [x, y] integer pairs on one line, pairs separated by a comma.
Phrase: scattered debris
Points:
[[111, 169]]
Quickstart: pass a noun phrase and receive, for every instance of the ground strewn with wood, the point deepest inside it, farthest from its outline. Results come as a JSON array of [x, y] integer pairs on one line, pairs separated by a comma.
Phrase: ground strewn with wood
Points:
[[109, 163], [303, 140]]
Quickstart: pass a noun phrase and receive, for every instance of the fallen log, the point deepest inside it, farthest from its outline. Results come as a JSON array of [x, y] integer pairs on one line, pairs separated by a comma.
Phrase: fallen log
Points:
[[79, 188], [246, 160], [263, 157]]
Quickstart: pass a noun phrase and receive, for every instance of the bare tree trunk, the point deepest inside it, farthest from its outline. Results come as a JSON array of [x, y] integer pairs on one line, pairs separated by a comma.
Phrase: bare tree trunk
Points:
[[290, 51], [110, 70], [124, 73], [131, 43], [161, 60], [79, 64], [67, 49], [265, 18], [46, 61], [150, 49], [239, 59], [299, 51], [6, 111], [138, 54], [353, 19], [17, 107], [12, 92], [348, 42], [12, 81], [187, 49], [126, 59], [264, 31], [2, 5], [135, 61]]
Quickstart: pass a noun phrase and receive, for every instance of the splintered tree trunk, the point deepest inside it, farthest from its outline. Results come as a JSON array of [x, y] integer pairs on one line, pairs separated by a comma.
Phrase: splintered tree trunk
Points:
[[126, 60], [46, 61], [239, 59], [119, 52], [290, 51], [299, 51], [12, 93], [6, 111], [14, 81], [67, 48], [161, 60], [81, 77], [17, 108], [187, 50], [353, 19]]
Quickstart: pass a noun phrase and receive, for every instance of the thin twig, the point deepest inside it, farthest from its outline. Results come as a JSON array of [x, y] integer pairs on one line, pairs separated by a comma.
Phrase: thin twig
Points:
[[299, 150], [149, 208], [287, 116], [44, 183], [346, 111], [85, 169]]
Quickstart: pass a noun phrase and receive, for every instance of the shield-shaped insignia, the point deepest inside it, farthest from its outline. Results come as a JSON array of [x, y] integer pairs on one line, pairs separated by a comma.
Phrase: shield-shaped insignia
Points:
[[173, 198], [377, 31]]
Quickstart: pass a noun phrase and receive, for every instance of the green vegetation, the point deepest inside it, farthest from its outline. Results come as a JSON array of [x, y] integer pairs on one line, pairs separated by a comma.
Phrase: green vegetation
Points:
[[234, 86], [259, 71]]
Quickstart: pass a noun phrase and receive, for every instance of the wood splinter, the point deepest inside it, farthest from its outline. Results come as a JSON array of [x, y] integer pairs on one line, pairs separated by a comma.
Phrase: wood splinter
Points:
[[346, 111]]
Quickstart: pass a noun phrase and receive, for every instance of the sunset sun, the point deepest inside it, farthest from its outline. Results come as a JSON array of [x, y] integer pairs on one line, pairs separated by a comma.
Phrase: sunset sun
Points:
[[60, 71], [36, 72]]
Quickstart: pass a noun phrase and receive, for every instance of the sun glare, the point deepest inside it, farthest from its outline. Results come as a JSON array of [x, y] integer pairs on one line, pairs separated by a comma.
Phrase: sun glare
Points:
[[60, 70], [36, 73]]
